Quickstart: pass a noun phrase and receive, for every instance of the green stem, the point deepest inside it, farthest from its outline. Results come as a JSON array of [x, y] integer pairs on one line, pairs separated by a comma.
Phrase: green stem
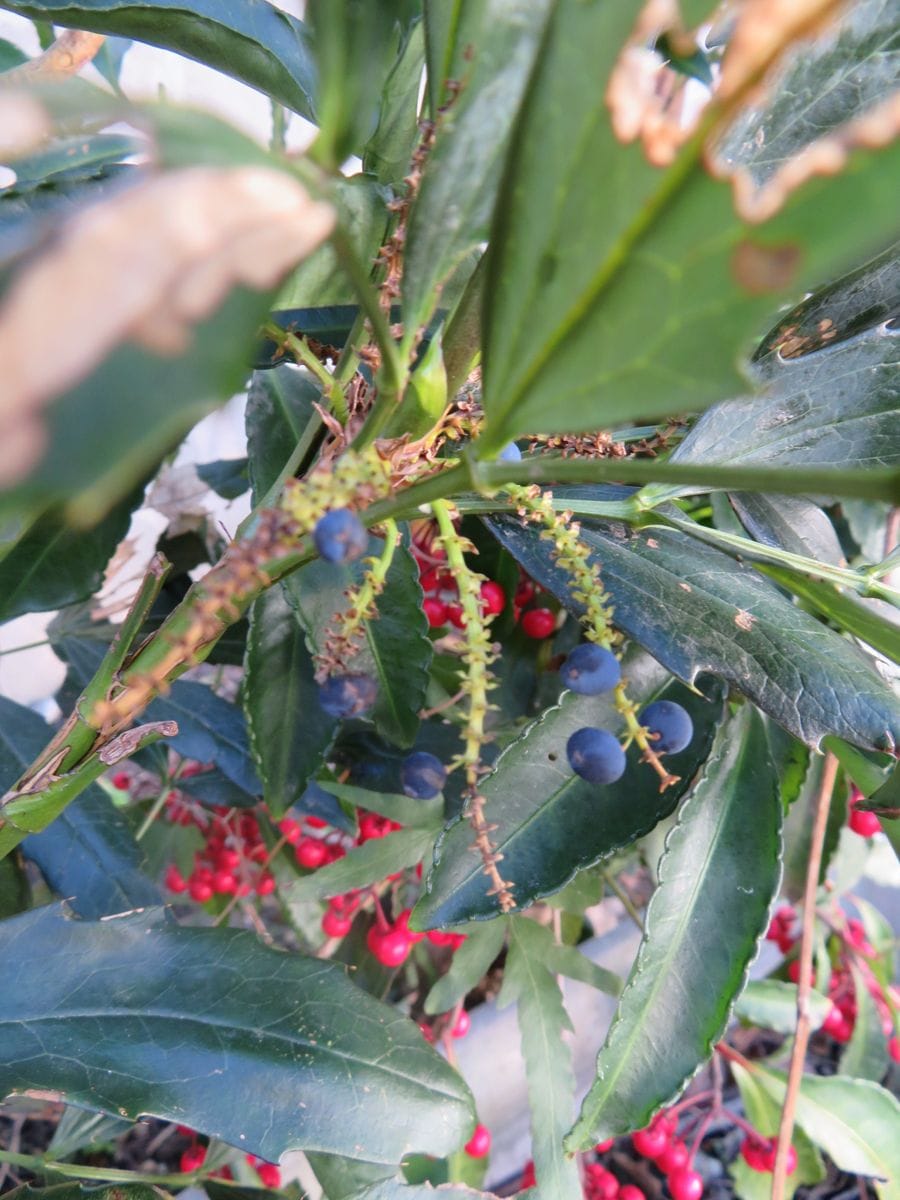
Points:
[[392, 373], [40, 1165], [154, 812], [299, 348], [619, 892], [295, 461], [27, 646]]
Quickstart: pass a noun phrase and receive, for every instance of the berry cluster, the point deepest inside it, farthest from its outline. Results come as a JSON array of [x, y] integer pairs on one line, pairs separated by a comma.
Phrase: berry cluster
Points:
[[234, 856], [759, 1154], [660, 1143]]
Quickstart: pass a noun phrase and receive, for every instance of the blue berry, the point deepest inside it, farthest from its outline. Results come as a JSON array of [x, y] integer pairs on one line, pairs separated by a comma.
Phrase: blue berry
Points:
[[347, 695], [590, 670], [510, 453], [595, 755], [340, 536], [670, 727], [422, 775]]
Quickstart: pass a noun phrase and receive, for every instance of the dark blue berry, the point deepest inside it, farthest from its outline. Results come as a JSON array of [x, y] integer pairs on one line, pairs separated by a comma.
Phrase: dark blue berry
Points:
[[596, 755], [510, 453], [590, 670], [422, 775], [670, 727], [340, 536], [347, 695]]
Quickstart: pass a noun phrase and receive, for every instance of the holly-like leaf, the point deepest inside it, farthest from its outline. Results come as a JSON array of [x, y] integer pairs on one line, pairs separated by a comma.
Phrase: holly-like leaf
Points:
[[254, 42], [365, 865], [600, 291], [405, 810], [101, 1011], [210, 729], [468, 966], [697, 609], [772, 1004], [551, 822], [53, 565], [289, 730], [717, 877], [543, 1021], [279, 406], [490, 51], [792, 523]]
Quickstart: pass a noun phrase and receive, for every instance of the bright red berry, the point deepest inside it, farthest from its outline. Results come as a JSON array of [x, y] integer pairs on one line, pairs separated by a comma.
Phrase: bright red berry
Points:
[[311, 853], [866, 824], [602, 1147], [265, 885], [524, 592], [174, 880], [438, 938], [192, 1159], [223, 882], [529, 1179], [538, 623], [837, 1026], [630, 1192], [479, 1144], [493, 597], [675, 1157], [686, 1185], [291, 830], [334, 925], [269, 1175], [755, 1153], [228, 859], [603, 1184], [894, 1048], [122, 781], [435, 611], [402, 923], [455, 616], [650, 1142], [461, 1025], [199, 890], [390, 948]]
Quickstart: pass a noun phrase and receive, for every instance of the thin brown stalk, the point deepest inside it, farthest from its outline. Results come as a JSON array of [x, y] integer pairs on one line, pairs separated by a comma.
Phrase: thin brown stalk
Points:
[[804, 985]]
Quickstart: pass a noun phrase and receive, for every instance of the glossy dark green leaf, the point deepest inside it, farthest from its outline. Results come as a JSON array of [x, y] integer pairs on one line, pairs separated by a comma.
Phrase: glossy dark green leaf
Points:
[[543, 1023], [405, 810], [364, 866], [600, 292], [697, 609], [791, 523], [10, 55], [289, 730], [210, 729], [227, 477], [493, 48], [71, 160], [396, 651], [467, 968], [252, 41], [389, 150], [550, 822], [213, 787], [279, 407], [717, 878], [851, 69], [772, 1004], [53, 565], [100, 1011], [14, 890]]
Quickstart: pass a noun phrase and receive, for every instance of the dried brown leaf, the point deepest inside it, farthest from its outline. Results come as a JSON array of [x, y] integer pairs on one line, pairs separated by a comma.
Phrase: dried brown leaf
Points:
[[763, 32], [144, 266]]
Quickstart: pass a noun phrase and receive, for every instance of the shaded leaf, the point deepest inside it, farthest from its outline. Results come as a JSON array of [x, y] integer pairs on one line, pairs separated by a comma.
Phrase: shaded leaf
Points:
[[210, 729], [10, 55], [798, 829], [279, 407], [792, 523], [389, 150], [866, 1054], [254, 42], [600, 292], [696, 609], [765, 1115], [289, 730], [71, 160], [717, 877], [215, 788], [365, 865], [14, 890], [108, 60], [543, 1021], [569, 961], [491, 50], [83, 1191], [468, 966], [405, 810], [227, 477], [550, 822], [91, 1015], [772, 1004]]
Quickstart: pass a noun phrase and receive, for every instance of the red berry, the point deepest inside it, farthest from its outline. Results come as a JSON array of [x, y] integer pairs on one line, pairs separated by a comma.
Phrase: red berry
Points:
[[538, 623], [437, 938], [894, 1048], [122, 781], [174, 880], [192, 1159], [335, 925], [793, 971], [529, 1179], [755, 1153], [630, 1192], [836, 1025], [435, 611], [455, 616], [768, 1154], [675, 1157], [524, 592], [228, 859], [223, 882], [651, 1142], [269, 1175], [602, 1147], [479, 1144], [461, 1024], [390, 948], [430, 580], [456, 940], [686, 1185], [402, 923], [311, 853], [493, 597], [866, 824], [603, 1184], [265, 885], [291, 830], [199, 890]]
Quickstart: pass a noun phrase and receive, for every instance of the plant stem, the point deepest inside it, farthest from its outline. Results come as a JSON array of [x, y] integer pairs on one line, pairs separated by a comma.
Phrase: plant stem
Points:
[[392, 370], [299, 348], [40, 1165], [804, 984], [619, 892]]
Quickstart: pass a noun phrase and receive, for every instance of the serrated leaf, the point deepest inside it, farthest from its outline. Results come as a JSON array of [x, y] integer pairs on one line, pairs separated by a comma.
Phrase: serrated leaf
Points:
[[550, 822], [365, 865], [493, 47], [697, 609], [866, 1054], [396, 651], [252, 41], [279, 406], [543, 1022], [599, 295], [467, 968], [53, 565], [717, 878], [854, 1121], [100, 1011], [289, 730], [772, 1004]]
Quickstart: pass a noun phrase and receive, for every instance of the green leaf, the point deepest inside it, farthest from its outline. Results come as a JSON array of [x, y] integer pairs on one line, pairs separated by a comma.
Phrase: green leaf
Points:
[[227, 477], [367, 864], [866, 1054], [71, 159], [792, 523], [14, 890], [289, 730], [772, 1004], [86, 1191], [101, 1010], [697, 609], [467, 968], [853, 1120], [251, 41], [763, 1113], [108, 59], [389, 150], [836, 79], [396, 651], [11, 55], [605, 272], [393, 1189], [798, 829], [405, 810], [569, 961], [550, 822], [279, 407], [491, 51], [543, 1021], [53, 565], [718, 875]]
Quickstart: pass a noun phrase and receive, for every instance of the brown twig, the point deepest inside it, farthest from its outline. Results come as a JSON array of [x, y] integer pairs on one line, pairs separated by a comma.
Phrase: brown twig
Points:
[[70, 52], [804, 985]]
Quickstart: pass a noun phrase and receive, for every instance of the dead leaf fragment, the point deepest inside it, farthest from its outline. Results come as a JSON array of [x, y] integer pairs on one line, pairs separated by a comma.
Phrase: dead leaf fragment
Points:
[[744, 620], [760, 269], [144, 266]]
